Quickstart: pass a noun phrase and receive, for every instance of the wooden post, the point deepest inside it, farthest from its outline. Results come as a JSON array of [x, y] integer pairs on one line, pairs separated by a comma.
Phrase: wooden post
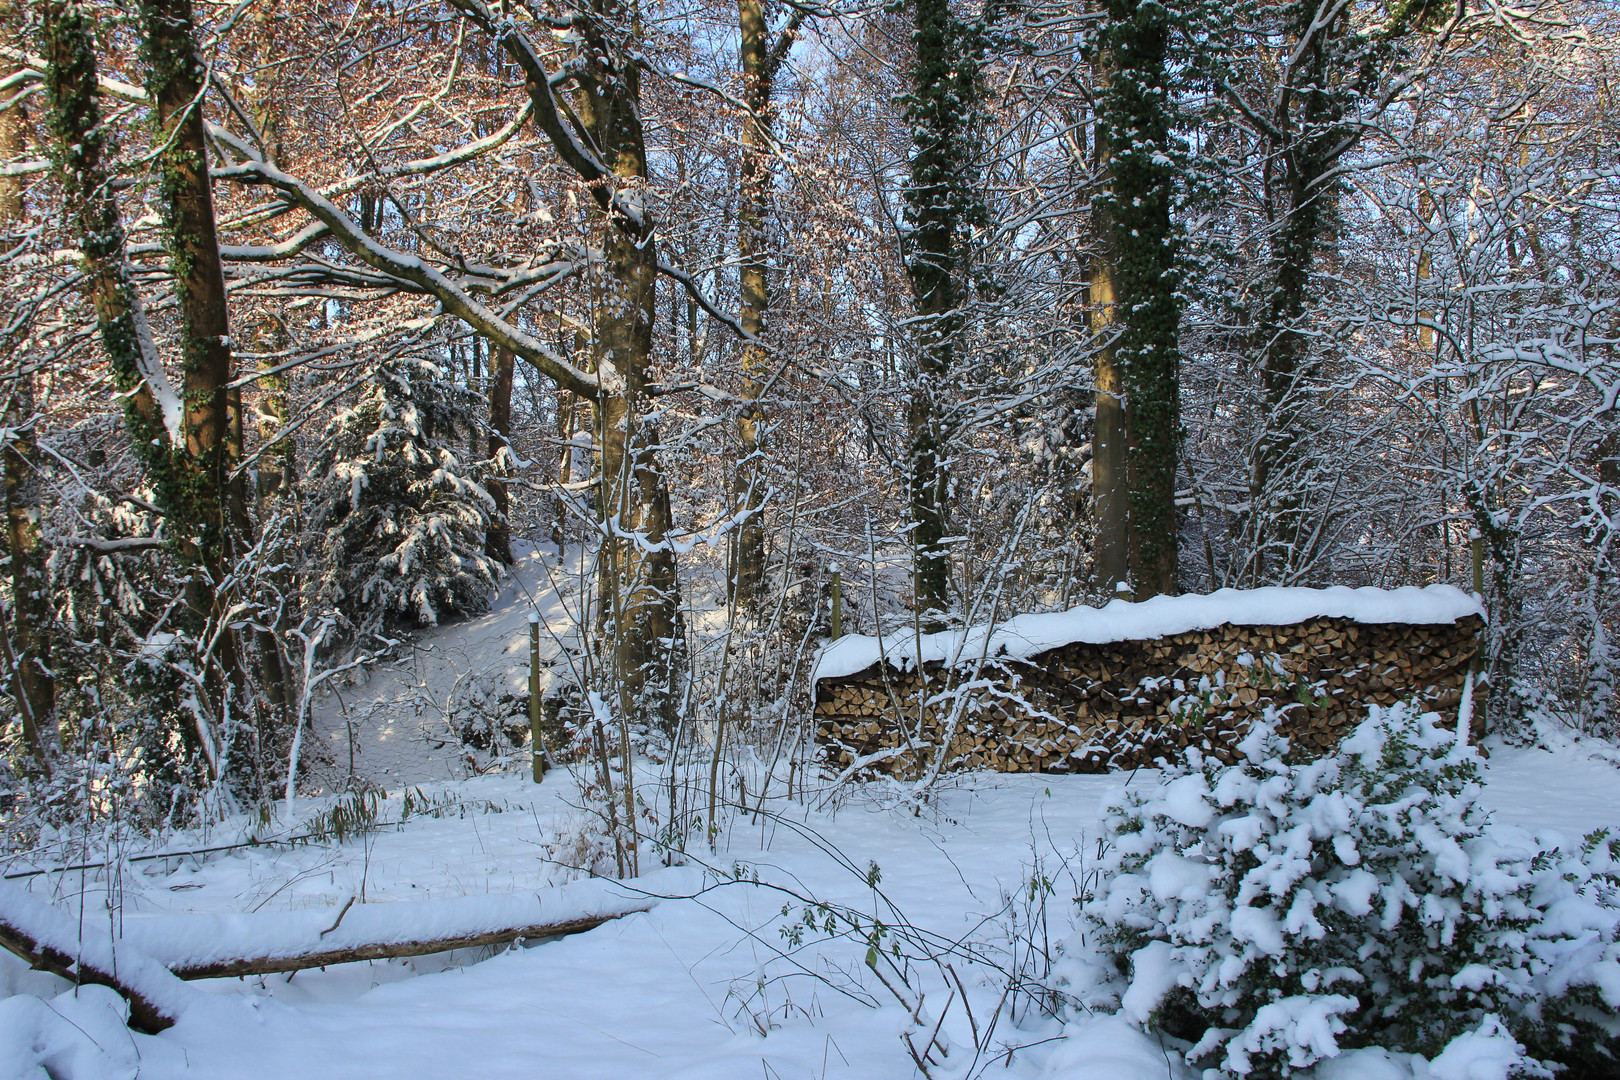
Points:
[[837, 602], [537, 747]]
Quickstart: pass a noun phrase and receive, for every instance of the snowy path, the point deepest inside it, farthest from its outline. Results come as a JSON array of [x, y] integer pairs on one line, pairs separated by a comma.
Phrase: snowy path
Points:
[[397, 722]]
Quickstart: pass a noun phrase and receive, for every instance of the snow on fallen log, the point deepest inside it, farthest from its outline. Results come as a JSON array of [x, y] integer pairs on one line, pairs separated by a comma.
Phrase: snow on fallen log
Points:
[[1024, 636], [224, 946], [51, 940]]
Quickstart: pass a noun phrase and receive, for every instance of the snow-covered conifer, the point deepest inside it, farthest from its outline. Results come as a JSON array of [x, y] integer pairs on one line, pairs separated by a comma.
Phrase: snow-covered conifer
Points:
[[399, 515]]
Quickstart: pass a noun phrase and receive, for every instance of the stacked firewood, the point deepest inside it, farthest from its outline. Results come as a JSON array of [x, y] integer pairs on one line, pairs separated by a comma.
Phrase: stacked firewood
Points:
[[1096, 707]]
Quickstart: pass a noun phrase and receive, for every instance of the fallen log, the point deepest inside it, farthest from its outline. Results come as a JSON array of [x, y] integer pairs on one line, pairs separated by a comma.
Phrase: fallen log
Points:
[[49, 940], [270, 965], [148, 962], [213, 946]]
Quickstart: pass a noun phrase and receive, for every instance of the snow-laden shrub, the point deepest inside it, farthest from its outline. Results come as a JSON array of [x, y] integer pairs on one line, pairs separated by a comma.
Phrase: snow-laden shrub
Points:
[[1276, 912]]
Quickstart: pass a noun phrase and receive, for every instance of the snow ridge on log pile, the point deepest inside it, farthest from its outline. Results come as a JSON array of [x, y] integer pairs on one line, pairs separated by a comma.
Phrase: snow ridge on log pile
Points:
[[1091, 690]]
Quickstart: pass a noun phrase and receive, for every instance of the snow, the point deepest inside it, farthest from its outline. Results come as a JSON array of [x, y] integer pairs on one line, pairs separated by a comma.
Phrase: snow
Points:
[[1487, 1054], [682, 990], [1024, 636], [1185, 801], [195, 940], [1109, 1048], [702, 985], [74, 1034], [1260, 926], [1155, 976], [1567, 788]]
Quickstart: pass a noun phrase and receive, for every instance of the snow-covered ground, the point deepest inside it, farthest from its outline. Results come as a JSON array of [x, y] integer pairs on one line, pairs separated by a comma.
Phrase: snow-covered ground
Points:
[[705, 984], [702, 985]]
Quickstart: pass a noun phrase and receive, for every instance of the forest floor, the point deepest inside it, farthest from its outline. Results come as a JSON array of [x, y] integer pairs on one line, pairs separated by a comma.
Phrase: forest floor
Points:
[[713, 982], [704, 984]]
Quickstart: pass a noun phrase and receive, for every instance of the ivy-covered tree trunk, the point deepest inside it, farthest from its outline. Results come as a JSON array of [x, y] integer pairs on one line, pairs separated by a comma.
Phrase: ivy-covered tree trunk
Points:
[[1135, 112], [33, 683], [498, 540], [79, 141], [205, 496], [940, 209]]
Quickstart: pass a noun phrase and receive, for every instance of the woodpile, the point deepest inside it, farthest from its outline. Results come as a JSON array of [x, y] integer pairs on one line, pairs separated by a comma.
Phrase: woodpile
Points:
[[1098, 707]]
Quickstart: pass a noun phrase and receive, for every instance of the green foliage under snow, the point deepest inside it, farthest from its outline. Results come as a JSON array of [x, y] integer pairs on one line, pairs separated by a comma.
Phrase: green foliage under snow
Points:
[[1277, 912], [400, 513]]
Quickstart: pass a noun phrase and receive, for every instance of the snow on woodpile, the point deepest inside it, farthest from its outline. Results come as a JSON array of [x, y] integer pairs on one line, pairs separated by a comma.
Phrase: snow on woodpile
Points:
[[1025, 636], [1125, 685]]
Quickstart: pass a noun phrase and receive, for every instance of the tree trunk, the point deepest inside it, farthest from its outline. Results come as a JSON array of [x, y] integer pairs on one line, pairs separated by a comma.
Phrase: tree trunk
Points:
[[207, 495], [33, 684], [939, 204], [1136, 39], [1109, 447], [498, 541], [639, 589], [753, 207]]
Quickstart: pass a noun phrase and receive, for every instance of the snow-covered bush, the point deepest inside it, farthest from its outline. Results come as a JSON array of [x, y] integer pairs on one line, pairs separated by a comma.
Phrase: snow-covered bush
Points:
[[401, 516], [1274, 912]]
